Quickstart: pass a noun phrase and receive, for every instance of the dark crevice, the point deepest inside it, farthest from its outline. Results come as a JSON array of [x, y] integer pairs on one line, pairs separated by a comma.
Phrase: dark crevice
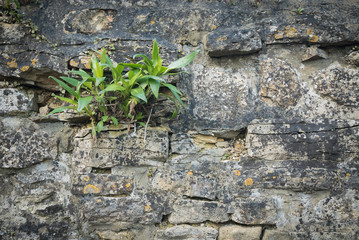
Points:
[[101, 170], [301, 132], [197, 198]]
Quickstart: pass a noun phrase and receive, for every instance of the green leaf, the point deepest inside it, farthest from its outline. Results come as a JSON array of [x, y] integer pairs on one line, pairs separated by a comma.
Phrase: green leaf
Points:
[[99, 80], [58, 110], [99, 126], [112, 87], [155, 86], [175, 92], [70, 81], [151, 77], [133, 65], [82, 73], [142, 124], [66, 87], [66, 100], [139, 93], [83, 102], [114, 120], [155, 52], [148, 61], [134, 78], [97, 70], [104, 118], [182, 62], [103, 55]]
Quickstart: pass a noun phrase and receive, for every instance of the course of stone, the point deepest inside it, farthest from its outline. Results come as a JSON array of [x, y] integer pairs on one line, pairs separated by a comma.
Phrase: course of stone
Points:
[[268, 148]]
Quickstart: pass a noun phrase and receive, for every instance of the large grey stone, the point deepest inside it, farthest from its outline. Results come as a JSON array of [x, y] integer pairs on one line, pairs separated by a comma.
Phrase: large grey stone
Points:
[[235, 232], [321, 140], [226, 42], [187, 232], [25, 145], [195, 211], [280, 85], [13, 101], [339, 84]]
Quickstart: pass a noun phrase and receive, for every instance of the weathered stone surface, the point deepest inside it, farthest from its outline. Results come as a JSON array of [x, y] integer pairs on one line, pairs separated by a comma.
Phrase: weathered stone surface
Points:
[[13, 101], [321, 140], [187, 232], [353, 58], [280, 84], [89, 21], [123, 235], [234, 232], [144, 209], [254, 211], [313, 53], [272, 234], [183, 144], [194, 211], [102, 184], [228, 42], [24, 144], [122, 149], [339, 84]]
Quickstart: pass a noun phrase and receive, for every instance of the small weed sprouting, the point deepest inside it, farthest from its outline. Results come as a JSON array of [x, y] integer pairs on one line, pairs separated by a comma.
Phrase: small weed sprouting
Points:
[[108, 101], [10, 11]]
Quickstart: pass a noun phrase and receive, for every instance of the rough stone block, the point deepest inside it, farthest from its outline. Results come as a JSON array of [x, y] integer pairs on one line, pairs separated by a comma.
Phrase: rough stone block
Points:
[[102, 184], [115, 148], [280, 84], [235, 232], [352, 58], [228, 42], [313, 53], [311, 140], [182, 143], [274, 234], [25, 145], [144, 209], [186, 232], [195, 211], [254, 211], [338, 83], [13, 101]]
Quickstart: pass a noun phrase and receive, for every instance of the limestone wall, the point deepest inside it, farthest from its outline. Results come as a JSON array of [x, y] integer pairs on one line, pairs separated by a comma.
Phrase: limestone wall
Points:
[[267, 149]]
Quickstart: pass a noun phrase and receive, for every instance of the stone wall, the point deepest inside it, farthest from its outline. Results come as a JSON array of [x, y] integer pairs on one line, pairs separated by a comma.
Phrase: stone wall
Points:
[[267, 149]]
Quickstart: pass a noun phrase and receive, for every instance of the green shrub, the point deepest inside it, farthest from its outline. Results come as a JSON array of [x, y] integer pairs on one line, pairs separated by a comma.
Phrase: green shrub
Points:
[[113, 100]]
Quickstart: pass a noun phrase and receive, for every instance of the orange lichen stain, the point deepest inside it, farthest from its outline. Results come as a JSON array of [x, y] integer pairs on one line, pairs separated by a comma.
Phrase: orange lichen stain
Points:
[[34, 61], [274, 177], [248, 182], [189, 173], [114, 186], [236, 172], [148, 208], [25, 68], [270, 172], [87, 178], [279, 35], [128, 185], [222, 39], [86, 62], [347, 175], [314, 38], [110, 18], [73, 63], [99, 200], [291, 32], [12, 64], [91, 189], [7, 57], [213, 27], [152, 22]]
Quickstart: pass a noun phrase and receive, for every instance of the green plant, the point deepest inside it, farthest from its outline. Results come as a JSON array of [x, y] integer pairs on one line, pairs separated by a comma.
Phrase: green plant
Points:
[[10, 10], [121, 96], [300, 11]]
